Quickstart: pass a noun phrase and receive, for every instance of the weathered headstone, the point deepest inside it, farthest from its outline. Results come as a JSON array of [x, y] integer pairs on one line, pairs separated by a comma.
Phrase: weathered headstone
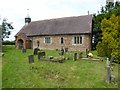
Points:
[[43, 54], [31, 58], [62, 51], [23, 50], [108, 72], [87, 51], [36, 51], [75, 56], [111, 59]]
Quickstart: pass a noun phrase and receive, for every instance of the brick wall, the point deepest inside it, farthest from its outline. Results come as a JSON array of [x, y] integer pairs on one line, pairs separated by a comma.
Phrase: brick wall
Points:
[[26, 43], [68, 42]]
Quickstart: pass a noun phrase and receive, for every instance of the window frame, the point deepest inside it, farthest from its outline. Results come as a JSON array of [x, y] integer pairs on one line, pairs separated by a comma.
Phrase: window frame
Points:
[[46, 38], [78, 40], [61, 40]]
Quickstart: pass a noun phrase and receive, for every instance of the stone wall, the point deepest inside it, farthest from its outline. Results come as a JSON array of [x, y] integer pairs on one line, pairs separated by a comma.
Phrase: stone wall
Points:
[[68, 42]]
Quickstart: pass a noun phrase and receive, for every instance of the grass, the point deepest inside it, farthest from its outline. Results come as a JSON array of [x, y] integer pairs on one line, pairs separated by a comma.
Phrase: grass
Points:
[[0, 71], [18, 73]]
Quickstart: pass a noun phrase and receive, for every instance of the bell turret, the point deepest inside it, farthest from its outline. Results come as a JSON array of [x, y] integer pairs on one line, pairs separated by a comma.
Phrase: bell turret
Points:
[[27, 19]]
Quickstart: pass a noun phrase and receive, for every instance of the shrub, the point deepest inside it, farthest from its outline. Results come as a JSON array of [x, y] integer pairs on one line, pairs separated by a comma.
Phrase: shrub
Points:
[[8, 43]]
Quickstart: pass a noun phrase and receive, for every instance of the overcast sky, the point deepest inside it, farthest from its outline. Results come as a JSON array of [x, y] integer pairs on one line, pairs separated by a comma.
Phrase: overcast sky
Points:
[[16, 10]]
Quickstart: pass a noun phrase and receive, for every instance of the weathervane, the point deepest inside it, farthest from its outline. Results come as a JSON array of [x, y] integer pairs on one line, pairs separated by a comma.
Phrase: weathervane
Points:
[[28, 13]]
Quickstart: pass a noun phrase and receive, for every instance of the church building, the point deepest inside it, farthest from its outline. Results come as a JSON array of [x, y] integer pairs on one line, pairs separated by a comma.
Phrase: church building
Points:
[[73, 33]]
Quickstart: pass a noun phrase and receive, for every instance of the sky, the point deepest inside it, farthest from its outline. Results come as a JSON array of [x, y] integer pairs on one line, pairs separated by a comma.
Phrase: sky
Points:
[[16, 10]]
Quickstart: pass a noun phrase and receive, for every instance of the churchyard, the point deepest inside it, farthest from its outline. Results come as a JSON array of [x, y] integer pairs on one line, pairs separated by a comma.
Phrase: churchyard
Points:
[[19, 72]]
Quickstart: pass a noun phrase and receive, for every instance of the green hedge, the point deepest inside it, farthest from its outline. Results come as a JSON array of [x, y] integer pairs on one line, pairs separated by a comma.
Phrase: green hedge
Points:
[[8, 43]]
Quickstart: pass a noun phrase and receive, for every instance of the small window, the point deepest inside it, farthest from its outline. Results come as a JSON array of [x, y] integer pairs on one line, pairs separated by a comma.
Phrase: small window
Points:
[[62, 40], [38, 43], [47, 40], [78, 40], [74, 40]]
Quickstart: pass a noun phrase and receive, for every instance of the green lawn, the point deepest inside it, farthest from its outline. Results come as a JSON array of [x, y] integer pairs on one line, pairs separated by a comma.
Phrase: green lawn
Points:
[[0, 71], [18, 73]]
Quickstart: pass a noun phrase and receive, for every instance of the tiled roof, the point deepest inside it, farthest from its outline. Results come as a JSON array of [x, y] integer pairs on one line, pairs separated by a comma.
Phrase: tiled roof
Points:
[[66, 25]]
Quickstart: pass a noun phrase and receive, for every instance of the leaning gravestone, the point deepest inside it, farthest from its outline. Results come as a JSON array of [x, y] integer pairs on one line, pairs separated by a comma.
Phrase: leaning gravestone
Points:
[[31, 58]]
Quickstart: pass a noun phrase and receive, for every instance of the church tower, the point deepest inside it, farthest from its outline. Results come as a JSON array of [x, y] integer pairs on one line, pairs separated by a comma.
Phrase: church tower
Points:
[[27, 19]]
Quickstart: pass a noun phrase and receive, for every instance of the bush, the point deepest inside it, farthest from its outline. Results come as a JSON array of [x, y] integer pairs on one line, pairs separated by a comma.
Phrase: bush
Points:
[[100, 49]]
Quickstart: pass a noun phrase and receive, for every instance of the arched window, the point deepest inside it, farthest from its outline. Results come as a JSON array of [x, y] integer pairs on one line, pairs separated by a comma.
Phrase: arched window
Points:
[[38, 43], [62, 40]]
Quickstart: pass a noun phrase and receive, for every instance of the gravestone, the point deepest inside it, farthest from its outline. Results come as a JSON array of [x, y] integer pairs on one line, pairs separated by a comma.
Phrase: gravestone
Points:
[[66, 49], [75, 56], [36, 51], [31, 58], [108, 72], [112, 59], [43, 54], [23, 50], [80, 55], [62, 51], [87, 51]]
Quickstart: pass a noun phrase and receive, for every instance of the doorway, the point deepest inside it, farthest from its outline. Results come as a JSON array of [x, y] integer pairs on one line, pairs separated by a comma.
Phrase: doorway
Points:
[[20, 43]]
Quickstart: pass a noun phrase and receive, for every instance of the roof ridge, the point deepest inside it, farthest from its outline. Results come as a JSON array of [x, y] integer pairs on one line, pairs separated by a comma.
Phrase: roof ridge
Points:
[[60, 18]]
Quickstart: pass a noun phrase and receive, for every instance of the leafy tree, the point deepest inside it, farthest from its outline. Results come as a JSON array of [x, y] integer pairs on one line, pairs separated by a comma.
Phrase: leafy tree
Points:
[[110, 40], [106, 12], [5, 29]]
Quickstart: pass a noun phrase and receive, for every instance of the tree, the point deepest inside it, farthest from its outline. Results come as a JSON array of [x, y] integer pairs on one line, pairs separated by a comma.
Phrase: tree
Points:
[[5, 29], [110, 41], [106, 12]]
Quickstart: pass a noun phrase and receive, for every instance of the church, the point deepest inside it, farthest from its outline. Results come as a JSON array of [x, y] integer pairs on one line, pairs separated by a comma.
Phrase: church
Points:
[[73, 33]]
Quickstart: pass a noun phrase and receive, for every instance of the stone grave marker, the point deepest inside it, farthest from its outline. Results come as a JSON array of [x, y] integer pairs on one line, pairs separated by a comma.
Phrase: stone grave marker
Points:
[[43, 54], [87, 51], [31, 58], [108, 72], [112, 59], [75, 56], [62, 51], [23, 50], [36, 51]]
